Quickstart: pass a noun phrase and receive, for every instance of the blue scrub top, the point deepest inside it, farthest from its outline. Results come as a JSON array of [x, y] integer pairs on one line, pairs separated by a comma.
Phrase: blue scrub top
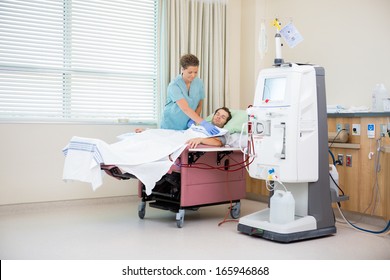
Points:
[[173, 116]]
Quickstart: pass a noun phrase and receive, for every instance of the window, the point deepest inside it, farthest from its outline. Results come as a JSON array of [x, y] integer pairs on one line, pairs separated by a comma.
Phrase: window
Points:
[[78, 60]]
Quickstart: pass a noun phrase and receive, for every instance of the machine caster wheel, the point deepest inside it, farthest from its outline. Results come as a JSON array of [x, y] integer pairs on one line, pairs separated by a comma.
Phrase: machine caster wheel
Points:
[[141, 210], [180, 218], [235, 211]]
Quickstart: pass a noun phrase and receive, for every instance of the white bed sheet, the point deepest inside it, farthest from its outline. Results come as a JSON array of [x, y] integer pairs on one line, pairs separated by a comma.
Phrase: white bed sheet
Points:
[[147, 155]]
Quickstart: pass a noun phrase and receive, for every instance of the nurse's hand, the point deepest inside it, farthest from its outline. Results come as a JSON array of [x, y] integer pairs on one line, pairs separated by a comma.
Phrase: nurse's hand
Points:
[[211, 129], [190, 122]]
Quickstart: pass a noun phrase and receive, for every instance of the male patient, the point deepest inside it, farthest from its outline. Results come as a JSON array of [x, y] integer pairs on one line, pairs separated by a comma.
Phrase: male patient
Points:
[[220, 118]]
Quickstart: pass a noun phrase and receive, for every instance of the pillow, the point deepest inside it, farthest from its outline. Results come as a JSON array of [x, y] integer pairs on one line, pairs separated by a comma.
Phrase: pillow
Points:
[[235, 124]]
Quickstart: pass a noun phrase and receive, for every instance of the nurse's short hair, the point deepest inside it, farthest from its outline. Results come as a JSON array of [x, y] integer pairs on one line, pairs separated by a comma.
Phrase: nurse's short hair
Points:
[[188, 60]]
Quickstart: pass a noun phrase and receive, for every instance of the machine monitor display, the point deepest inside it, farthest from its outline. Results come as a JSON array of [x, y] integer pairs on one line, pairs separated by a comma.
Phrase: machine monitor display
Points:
[[274, 89]]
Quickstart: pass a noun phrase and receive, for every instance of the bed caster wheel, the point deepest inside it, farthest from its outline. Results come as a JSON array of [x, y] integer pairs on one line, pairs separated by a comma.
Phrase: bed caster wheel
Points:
[[141, 210], [180, 218], [235, 211]]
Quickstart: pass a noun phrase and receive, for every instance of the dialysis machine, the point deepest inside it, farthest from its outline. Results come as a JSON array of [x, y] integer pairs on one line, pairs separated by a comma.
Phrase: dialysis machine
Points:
[[288, 143]]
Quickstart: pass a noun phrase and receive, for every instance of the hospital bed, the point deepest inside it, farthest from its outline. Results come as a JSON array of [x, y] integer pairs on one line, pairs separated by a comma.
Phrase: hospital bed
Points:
[[171, 176], [201, 177]]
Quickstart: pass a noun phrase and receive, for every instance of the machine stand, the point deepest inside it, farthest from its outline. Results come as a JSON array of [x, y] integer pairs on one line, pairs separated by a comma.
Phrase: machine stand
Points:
[[301, 228]]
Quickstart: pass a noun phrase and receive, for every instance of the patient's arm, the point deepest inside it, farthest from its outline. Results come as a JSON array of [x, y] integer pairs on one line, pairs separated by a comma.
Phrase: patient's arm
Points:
[[212, 141]]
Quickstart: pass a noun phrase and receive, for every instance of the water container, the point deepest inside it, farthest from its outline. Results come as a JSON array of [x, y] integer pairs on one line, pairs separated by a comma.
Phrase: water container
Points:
[[335, 175], [379, 96], [282, 207]]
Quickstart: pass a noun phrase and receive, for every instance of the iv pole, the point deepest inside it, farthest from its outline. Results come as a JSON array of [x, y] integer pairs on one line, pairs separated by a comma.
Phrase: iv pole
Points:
[[278, 61]]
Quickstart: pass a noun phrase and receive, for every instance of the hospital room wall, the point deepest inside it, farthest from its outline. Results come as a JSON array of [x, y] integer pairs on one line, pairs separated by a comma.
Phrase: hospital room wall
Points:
[[348, 38]]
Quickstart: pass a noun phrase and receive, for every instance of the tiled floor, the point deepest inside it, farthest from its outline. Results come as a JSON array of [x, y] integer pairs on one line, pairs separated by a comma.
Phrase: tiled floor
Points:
[[111, 229]]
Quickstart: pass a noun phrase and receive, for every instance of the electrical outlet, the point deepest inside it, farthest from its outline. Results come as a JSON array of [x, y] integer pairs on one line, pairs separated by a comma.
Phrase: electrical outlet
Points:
[[347, 127], [340, 159], [383, 130], [339, 127], [348, 160], [388, 129], [356, 129]]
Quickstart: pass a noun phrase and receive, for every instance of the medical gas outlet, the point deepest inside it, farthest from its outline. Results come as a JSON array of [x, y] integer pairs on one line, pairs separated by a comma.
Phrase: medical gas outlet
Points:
[[371, 130], [356, 129]]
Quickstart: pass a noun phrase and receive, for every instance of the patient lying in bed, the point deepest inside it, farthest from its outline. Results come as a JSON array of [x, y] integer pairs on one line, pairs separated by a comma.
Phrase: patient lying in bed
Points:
[[220, 118], [147, 155]]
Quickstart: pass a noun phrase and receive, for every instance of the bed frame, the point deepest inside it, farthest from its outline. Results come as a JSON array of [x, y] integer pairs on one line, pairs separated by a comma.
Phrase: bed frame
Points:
[[198, 185]]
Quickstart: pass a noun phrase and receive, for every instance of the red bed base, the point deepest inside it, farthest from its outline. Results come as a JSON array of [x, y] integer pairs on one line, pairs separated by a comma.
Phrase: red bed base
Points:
[[208, 176]]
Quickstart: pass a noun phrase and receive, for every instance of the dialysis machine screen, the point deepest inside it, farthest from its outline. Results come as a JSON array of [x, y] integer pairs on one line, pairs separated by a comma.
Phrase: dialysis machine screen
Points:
[[274, 89]]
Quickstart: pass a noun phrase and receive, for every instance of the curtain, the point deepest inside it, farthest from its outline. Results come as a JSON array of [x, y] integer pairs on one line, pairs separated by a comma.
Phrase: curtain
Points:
[[197, 27]]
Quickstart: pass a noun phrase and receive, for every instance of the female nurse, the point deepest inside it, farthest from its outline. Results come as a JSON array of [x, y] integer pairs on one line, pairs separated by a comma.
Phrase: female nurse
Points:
[[185, 98]]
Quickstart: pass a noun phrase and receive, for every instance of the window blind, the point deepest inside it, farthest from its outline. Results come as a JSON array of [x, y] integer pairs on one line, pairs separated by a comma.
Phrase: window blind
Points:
[[78, 60]]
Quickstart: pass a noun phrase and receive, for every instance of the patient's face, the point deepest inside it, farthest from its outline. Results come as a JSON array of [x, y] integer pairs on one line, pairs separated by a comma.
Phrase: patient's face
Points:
[[220, 118]]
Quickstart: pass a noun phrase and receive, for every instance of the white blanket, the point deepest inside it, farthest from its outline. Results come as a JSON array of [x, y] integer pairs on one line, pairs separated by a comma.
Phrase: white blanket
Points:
[[147, 155]]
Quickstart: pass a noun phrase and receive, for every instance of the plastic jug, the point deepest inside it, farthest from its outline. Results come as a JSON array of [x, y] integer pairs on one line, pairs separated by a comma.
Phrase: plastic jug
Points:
[[282, 207], [379, 96], [335, 175]]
